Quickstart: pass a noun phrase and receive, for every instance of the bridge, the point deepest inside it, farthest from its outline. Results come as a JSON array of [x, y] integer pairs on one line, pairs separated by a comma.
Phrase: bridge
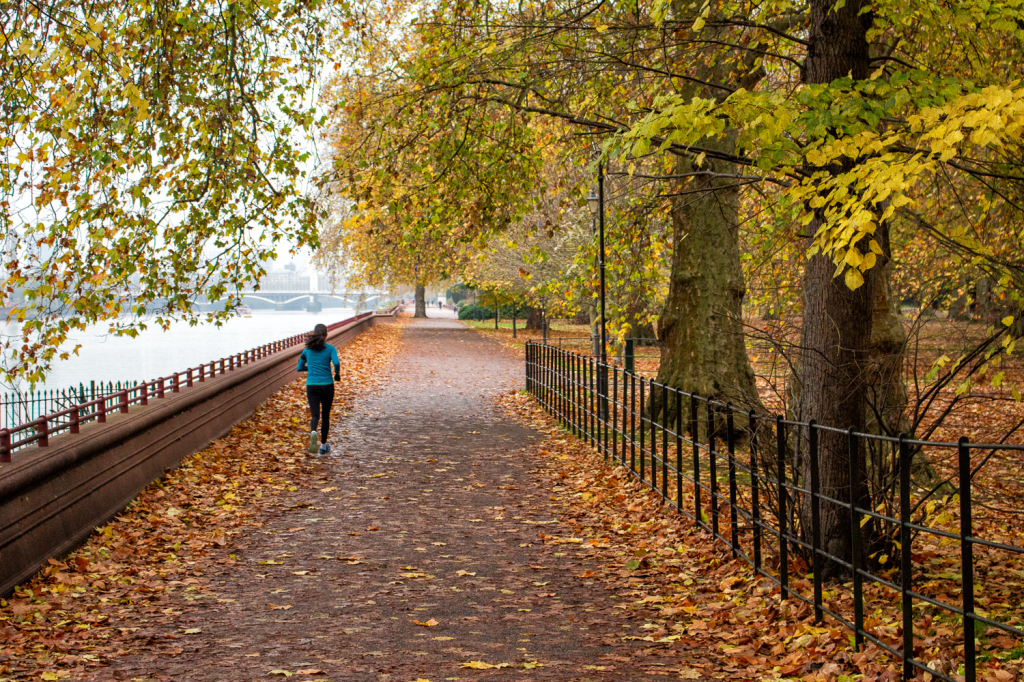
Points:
[[308, 300]]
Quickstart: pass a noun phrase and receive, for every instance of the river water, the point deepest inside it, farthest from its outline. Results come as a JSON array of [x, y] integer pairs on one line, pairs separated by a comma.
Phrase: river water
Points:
[[156, 353]]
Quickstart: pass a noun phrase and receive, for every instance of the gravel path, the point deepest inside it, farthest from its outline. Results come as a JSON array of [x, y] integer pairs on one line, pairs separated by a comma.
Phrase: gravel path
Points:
[[415, 555]]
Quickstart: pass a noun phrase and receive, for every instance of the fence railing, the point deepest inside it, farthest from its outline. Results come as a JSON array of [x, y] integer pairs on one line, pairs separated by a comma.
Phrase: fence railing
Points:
[[25, 406], [38, 430], [769, 489]]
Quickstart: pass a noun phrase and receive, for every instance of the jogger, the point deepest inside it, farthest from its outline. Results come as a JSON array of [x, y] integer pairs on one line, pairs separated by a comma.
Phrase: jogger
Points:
[[320, 397], [316, 360]]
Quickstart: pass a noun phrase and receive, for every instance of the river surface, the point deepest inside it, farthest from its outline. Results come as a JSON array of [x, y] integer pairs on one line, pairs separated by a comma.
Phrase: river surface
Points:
[[156, 353]]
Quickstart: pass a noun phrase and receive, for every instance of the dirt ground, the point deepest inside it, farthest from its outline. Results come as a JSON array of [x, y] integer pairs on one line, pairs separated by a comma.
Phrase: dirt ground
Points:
[[417, 554]]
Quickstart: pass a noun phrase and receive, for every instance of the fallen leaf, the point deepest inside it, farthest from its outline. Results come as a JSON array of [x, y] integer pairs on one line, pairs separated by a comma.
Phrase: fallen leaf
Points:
[[429, 624], [480, 665]]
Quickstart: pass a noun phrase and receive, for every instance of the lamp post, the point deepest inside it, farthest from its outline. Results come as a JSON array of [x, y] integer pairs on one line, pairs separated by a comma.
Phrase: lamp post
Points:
[[596, 204]]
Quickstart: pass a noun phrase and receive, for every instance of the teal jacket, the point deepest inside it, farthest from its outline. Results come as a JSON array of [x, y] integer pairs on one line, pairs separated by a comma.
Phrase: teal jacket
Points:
[[317, 364]]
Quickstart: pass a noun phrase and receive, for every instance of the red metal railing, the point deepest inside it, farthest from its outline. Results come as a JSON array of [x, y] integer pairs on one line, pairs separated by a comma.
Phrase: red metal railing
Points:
[[39, 431]]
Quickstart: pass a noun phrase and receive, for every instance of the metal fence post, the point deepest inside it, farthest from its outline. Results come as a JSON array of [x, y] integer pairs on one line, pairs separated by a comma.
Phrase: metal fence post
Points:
[[967, 558], [643, 429], [712, 468], [695, 442], [123, 400], [679, 450], [654, 438], [755, 505], [577, 393], [665, 422], [43, 431], [5, 445], [75, 419], [816, 562], [632, 423], [144, 393], [856, 541], [780, 443], [101, 409], [730, 435], [526, 377], [906, 567]]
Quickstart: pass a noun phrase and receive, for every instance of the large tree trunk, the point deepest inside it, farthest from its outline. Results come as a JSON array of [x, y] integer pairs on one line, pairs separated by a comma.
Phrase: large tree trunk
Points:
[[534, 319], [837, 321], [421, 301], [701, 330], [703, 349]]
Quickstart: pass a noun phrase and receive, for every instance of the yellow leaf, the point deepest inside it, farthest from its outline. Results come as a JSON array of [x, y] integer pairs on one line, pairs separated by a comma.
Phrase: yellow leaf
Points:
[[480, 665], [428, 624], [532, 664], [1008, 320], [854, 279], [853, 257], [50, 676], [601, 28]]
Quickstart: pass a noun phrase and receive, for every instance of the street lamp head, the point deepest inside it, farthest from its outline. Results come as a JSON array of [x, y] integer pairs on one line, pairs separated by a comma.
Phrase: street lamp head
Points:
[[594, 202]]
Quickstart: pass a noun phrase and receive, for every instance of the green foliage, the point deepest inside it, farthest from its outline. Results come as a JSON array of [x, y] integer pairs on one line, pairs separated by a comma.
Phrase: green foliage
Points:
[[151, 154]]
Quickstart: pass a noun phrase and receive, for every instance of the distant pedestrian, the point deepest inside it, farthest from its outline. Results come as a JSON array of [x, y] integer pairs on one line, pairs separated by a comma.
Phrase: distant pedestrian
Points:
[[316, 360]]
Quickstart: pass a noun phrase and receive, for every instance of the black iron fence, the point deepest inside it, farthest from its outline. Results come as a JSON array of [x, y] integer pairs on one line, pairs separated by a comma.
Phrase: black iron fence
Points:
[[625, 353], [25, 406], [768, 488]]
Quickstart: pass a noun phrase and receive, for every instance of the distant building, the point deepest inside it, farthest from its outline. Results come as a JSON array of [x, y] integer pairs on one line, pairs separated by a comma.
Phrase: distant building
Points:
[[284, 280]]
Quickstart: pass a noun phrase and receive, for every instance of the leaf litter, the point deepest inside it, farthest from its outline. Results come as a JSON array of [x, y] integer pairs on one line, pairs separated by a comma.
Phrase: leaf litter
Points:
[[707, 609], [83, 611]]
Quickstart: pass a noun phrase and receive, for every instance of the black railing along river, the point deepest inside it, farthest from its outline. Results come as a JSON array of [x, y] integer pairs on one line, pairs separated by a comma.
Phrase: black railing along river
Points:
[[38, 430]]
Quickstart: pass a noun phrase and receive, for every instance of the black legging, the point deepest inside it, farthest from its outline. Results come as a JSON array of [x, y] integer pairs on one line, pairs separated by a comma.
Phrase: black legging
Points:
[[320, 397]]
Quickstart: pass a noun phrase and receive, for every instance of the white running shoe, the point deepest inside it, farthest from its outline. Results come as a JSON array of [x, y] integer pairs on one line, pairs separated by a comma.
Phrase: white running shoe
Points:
[[312, 441]]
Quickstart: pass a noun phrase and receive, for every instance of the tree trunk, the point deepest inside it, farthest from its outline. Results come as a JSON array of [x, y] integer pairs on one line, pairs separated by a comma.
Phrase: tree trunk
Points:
[[534, 319], [421, 301], [837, 321], [700, 329]]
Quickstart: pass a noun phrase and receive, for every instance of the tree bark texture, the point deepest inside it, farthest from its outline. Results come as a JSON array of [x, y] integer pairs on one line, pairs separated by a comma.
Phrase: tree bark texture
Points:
[[837, 326], [534, 319], [421, 301], [701, 328]]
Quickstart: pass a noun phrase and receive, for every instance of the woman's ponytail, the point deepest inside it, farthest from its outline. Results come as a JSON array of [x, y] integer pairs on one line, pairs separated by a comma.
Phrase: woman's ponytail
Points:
[[318, 339]]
